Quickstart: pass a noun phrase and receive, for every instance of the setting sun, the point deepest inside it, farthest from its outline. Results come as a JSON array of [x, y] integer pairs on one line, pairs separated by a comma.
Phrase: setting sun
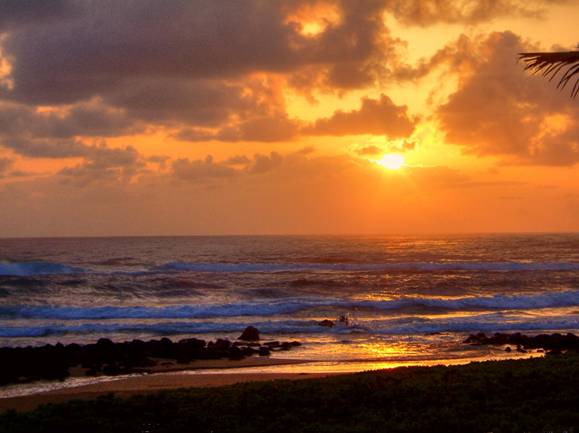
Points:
[[246, 191], [392, 161]]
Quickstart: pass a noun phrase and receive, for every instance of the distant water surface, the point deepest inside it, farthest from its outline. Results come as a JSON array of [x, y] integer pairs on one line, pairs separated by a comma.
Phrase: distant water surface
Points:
[[409, 298]]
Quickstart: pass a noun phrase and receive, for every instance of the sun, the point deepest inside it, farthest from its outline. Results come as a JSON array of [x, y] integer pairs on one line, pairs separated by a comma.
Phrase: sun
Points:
[[392, 161]]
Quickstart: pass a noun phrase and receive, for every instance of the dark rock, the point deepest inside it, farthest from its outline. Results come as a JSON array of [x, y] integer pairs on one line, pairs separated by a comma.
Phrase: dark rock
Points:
[[235, 353], [52, 362], [271, 344], [327, 323], [111, 369], [220, 344], [248, 351], [249, 334], [217, 349], [195, 342], [105, 342], [554, 343]]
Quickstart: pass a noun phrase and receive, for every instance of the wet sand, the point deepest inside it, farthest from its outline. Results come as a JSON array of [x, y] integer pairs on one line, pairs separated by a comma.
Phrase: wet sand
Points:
[[167, 377], [145, 384]]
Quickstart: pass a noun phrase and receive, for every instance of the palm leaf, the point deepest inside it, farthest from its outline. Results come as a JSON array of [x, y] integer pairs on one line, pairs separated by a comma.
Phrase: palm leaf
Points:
[[550, 64]]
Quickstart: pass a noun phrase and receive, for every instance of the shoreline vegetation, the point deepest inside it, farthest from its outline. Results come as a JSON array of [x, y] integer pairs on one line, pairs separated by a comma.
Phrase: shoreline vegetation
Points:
[[530, 395]]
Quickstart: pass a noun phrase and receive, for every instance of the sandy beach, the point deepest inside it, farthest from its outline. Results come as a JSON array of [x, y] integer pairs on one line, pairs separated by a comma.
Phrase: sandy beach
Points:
[[525, 395], [144, 384], [165, 377]]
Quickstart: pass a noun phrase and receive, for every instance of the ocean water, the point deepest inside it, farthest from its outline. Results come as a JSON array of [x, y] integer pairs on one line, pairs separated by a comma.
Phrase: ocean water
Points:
[[410, 299]]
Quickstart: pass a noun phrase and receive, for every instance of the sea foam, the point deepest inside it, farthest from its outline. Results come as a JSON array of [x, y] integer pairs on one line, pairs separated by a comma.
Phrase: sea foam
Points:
[[397, 326], [26, 269], [559, 299], [405, 266]]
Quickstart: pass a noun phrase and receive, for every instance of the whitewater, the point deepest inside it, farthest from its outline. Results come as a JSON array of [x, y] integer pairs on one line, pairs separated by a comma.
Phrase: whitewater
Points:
[[405, 295]]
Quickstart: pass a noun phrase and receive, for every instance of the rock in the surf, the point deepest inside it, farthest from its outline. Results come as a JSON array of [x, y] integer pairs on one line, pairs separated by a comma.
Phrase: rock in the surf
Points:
[[250, 333], [327, 323]]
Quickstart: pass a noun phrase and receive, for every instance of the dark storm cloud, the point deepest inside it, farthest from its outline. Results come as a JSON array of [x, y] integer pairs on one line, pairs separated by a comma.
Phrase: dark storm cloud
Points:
[[31, 12], [64, 51], [201, 169], [209, 169], [265, 163], [40, 148], [263, 129], [180, 63], [111, 44], [102, 163], [54, 134], [199, 102], [83, 119], [375, 116], [499, 109], [429, 12], [193, 65], [237, 160]]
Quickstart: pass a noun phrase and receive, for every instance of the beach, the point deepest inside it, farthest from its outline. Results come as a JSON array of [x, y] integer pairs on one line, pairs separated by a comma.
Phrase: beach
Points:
[[533, 395], [289, 216], [147, 323], [144, 384], [168, 375]]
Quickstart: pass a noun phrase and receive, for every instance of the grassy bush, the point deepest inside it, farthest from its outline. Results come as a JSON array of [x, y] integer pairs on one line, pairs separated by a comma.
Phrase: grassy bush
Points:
[[540, 395]]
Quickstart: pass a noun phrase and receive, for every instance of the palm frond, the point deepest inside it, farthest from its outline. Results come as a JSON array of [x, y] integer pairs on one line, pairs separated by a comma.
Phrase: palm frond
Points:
[[550, 64]]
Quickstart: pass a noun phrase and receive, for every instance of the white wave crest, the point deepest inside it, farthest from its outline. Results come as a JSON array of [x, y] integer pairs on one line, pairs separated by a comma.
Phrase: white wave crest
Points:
[[290, 306], [27, 269]]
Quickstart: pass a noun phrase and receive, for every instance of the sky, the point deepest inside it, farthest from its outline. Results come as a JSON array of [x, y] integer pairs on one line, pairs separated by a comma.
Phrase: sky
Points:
[[183, 117]]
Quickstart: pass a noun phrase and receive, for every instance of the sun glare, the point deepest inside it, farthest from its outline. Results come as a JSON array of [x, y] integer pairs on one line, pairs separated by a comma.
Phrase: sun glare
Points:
[[392, 161]]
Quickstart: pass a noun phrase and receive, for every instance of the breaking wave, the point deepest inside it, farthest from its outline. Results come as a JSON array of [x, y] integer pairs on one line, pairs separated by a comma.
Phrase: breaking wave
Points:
[[10, 268], [26, 269], [292, 306], [399, 326], [408, 266]]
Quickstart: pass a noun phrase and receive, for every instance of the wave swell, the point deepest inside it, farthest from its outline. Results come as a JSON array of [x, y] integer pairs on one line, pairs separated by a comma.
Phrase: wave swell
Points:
[[10, 268], [292, 306], [408, 266], [27, 269], [404, 326]]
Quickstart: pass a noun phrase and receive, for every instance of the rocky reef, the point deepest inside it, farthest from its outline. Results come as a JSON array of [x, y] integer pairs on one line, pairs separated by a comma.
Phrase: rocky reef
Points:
[[552, 344], [105, 357]]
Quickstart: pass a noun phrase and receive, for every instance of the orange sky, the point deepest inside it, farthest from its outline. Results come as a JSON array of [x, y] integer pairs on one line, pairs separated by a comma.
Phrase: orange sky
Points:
[[252, 117]]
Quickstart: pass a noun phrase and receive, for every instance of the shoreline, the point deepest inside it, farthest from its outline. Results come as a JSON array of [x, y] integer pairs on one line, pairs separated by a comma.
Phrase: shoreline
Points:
[[165, 375], [512, 395], [77, 377], [138, 385], [202, 374]]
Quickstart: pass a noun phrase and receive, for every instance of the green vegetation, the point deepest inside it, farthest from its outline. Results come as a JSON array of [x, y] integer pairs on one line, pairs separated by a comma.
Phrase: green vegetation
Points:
[[538, 395]]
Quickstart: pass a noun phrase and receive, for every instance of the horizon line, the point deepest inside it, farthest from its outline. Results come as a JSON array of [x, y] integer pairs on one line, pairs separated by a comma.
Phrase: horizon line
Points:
[[217, 235]]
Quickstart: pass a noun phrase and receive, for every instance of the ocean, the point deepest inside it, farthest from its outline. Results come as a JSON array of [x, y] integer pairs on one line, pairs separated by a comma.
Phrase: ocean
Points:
[[408, 299]]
